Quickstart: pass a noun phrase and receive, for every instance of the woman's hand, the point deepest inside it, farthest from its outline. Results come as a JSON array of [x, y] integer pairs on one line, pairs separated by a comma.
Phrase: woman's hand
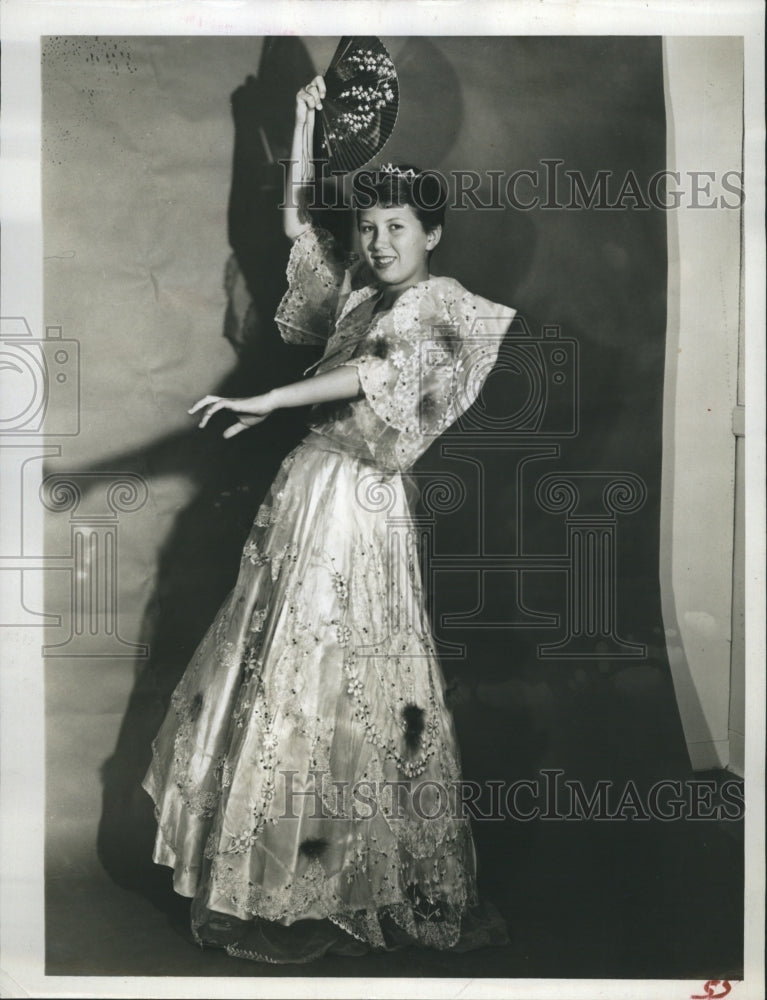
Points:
[[308, 100], [250, 411]]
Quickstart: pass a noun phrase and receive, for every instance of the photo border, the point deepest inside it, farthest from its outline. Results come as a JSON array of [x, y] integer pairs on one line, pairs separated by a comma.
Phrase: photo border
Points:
[[21, 679]]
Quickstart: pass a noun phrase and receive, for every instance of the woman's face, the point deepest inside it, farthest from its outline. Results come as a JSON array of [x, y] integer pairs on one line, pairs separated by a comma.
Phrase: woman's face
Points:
[[396, 245]]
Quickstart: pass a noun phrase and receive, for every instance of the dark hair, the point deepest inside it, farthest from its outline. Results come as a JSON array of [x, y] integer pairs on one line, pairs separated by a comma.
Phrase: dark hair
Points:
[[402, 184]]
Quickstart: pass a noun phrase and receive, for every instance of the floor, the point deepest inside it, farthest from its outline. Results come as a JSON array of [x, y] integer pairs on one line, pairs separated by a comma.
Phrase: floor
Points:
[[581, 900]]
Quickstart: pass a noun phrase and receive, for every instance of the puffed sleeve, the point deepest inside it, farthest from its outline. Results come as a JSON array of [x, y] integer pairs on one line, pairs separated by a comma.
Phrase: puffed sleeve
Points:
[[424, 369], [315, 275]]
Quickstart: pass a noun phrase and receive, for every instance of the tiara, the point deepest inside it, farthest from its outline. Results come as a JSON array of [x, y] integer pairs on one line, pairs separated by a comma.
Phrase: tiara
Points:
[[389, 168]]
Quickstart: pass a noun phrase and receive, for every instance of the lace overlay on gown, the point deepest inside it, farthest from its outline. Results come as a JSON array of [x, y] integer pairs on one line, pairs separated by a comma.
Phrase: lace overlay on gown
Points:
[[306, 777]]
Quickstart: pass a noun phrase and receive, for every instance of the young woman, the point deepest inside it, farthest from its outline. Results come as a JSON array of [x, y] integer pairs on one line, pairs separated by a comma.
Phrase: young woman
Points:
[[305, 777]]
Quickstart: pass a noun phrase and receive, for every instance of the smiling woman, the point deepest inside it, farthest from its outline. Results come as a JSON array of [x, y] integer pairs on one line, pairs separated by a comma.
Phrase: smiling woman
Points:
[[320, 672], [401, 227], [395, 245]]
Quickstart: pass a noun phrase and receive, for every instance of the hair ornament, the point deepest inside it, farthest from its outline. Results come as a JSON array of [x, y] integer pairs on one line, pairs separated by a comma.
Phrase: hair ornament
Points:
[[389, 168]]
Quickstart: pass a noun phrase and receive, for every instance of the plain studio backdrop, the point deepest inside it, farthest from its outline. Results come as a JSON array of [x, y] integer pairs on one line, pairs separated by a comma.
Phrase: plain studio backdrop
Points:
[[158, 160]]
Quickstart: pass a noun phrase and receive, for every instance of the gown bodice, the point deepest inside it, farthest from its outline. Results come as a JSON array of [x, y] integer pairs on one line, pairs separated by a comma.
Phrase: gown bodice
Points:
[[421, 364]]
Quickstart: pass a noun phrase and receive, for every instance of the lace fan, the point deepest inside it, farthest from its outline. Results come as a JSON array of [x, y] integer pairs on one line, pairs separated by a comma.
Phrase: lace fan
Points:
[[360, 106]]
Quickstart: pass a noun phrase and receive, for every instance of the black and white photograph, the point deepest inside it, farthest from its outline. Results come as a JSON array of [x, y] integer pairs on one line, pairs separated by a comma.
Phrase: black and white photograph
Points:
[[382, 443]]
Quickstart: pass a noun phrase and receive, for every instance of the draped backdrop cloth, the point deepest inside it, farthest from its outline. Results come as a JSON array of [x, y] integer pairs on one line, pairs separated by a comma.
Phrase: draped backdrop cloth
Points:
[[305, 774]]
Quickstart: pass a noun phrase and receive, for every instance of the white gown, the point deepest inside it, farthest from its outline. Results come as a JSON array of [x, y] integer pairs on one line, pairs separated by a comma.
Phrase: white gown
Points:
[[317, 688]]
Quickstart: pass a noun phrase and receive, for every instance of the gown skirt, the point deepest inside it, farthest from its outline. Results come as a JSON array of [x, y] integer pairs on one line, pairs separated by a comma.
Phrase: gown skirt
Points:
[[306, 777]]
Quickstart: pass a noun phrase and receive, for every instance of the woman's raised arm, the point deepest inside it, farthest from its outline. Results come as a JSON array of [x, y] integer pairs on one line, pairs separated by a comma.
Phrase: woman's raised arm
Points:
[[300, 172]]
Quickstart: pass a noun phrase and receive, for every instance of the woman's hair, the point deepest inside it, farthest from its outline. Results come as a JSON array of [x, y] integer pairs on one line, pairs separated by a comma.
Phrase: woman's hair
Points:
[[401, 184]]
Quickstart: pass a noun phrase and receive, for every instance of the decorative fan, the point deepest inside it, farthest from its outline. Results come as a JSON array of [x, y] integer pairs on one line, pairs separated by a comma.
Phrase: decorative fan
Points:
[[360, 106]]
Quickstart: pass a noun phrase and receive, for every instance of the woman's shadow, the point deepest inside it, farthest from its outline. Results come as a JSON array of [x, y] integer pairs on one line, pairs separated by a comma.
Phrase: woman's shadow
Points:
[[199, 560]]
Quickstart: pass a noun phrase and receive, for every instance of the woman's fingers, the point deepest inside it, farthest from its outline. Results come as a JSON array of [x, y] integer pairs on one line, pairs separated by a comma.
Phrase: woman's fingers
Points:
[[212, 405], [311, 99], [242, 407], [312, 94], [242, 425], [213, 408], [234, 429], [319, 83], [317, 89], [202, 402]]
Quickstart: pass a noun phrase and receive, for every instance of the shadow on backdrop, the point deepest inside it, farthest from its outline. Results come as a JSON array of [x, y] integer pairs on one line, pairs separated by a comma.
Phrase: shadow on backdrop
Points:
[[199, 559]]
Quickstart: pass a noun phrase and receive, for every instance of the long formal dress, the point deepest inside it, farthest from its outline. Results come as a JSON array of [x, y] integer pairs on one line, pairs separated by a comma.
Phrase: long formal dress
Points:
[[304, 776]]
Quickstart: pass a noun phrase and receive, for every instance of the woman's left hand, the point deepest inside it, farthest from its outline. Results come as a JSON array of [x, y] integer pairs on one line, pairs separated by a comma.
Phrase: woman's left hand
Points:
[[249, 411]]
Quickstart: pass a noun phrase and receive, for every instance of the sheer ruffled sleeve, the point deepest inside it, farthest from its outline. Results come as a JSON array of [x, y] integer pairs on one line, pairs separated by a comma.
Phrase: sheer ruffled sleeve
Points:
[[424, 367], [315, 275]]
